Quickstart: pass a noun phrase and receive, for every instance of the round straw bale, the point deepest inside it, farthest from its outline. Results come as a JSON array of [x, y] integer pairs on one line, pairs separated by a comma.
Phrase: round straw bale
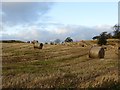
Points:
[[41, 45], [118, 48], [97, 52], [83, 45], [105, 47], [38, 45], [28, 41]]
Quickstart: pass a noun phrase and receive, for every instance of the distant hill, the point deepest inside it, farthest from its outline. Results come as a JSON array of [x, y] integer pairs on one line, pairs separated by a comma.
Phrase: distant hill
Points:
[[12, 41]]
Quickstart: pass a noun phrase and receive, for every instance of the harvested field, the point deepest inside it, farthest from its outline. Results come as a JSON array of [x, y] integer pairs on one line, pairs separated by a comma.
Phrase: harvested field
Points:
[[57, 66]]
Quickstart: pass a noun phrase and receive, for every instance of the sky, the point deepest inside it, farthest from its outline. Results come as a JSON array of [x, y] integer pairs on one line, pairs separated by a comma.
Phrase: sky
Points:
[[47, 21]]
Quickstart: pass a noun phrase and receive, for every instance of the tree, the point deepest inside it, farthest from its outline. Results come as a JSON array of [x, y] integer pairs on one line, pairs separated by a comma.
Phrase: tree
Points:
[[109, 36], [116, 32], [68, 39], [95, 37], [57, 41], [102, 39]]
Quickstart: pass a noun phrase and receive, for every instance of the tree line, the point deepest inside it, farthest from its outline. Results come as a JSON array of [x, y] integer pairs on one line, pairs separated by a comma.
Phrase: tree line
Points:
[[102, 38]]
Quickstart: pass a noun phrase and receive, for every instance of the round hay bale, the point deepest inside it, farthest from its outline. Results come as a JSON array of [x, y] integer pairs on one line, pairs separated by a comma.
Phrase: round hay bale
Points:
[[105, 47], [28, 41], [118, 48], [38, 45], [97, 52], [83, 45], [41, 45]]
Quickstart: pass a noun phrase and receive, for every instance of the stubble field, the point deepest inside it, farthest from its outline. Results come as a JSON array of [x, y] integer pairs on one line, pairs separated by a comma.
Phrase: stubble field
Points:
[[58, 66]]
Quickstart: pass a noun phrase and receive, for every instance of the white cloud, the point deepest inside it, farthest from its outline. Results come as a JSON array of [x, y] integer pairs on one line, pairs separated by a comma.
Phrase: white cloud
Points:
[[104, 28], [77, 32], [58, 31]]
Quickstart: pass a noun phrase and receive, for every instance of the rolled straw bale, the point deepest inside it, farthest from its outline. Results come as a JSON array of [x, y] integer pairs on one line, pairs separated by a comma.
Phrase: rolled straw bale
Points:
[[118, 48], [38, 45], [97, 52], [28, 41], [41, 45], [83, 45], [105, 47]]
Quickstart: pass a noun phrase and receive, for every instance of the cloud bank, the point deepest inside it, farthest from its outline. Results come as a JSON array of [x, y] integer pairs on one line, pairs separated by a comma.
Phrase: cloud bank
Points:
[[29, 21], [45, 35]]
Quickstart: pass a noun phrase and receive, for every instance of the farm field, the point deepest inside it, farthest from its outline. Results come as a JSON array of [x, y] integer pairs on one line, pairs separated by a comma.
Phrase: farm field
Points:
[[58, 66]]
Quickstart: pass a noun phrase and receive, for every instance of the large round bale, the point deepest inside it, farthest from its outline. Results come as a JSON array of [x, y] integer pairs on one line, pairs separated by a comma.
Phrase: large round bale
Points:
[[82, 45], [38, 45], [97, 52], [28, 41], [41, 45], [105, 47], [118, 48]]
